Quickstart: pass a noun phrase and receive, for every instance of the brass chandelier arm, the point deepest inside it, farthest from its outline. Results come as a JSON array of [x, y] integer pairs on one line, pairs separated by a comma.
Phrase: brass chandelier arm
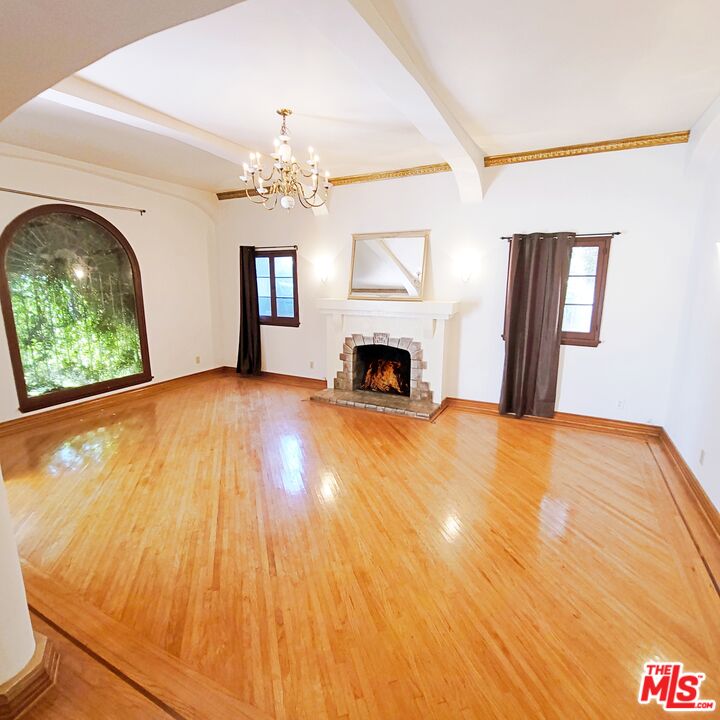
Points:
[[306, 201]]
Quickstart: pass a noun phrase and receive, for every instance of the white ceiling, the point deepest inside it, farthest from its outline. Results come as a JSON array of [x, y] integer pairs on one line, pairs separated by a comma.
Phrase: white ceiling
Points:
[[522, 74], [516, 75]]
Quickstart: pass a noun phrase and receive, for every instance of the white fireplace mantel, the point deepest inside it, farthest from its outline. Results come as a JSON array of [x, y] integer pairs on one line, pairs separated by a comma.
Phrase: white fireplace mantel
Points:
[[421, 320], [423, 309]]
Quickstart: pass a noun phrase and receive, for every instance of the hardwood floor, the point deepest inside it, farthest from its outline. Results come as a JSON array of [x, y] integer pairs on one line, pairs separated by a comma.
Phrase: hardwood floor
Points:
[[243, 552], [85, 690]]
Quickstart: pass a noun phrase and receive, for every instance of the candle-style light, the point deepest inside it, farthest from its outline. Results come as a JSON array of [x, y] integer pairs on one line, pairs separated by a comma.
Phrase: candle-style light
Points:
[[286, 182]]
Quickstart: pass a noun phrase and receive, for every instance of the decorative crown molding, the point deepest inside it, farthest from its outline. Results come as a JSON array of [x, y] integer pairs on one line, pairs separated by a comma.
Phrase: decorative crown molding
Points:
[[629, 143], [391, 174]]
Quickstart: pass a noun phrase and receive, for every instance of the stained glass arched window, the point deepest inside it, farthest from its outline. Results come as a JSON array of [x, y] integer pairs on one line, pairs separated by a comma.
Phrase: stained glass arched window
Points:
[[72, 304]]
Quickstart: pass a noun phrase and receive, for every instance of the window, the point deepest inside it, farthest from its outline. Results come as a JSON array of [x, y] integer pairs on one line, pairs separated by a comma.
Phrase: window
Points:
[[72, 305], [585, 294], [276, 272], [585, 291]]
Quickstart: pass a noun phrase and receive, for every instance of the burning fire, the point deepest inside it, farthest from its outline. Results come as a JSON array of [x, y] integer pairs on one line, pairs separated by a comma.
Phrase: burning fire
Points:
[[383, 376]]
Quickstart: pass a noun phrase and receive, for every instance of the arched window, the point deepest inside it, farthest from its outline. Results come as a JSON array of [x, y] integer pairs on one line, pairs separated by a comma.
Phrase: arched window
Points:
[[72, 304]]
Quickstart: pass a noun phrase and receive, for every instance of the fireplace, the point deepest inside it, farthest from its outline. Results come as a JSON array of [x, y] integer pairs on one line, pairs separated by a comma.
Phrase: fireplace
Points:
[[381, 368], [388, 366], [397, 332]]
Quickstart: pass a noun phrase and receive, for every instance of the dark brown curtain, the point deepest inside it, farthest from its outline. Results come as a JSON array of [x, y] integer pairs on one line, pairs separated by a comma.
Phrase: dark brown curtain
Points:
[[248, 362], [537, 281]]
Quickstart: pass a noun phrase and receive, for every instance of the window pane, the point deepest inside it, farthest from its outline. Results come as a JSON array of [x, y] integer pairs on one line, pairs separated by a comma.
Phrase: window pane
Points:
[[580, 291], [283, 266], [73, 300], [284, 287], [264, 307], [583, 260], [262, 266], [285, 307], [577, 318], [263, 285]]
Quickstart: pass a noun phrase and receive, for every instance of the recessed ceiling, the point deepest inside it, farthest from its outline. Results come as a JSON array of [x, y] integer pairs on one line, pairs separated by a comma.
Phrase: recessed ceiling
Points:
[[516, 74]]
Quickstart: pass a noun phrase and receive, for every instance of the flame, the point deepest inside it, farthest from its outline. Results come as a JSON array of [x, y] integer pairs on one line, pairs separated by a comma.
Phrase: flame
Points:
[[383, 376]]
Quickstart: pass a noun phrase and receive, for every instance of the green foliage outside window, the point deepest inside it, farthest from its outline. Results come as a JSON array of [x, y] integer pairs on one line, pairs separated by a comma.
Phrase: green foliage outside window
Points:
[[73, 301]]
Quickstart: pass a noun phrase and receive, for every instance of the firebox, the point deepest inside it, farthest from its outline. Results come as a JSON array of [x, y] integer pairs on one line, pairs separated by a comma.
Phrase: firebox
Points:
[[381, 368]]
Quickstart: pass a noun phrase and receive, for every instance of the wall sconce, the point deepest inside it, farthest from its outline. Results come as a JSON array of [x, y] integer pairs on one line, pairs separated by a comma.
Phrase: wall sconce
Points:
[[323, 267], [467, 263]]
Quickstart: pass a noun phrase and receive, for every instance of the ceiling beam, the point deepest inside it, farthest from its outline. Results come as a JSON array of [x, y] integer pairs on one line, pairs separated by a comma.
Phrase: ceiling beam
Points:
[[74, 92], [359, 31]]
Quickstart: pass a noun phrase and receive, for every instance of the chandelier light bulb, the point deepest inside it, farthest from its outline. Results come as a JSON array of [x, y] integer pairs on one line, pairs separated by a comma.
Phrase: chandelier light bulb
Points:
[[285, 152]]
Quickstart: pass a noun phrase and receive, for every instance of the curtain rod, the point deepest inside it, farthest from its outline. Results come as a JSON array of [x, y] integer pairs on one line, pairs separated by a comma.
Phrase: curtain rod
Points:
[[76, 202], [605, 234], [278, 247]]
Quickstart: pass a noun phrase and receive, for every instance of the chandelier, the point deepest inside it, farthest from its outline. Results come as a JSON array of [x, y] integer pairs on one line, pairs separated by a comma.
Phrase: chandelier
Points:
[[287, 180]]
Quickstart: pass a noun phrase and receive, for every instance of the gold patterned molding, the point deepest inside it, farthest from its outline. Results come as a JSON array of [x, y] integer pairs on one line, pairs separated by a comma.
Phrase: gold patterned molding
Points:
[[629, 143]]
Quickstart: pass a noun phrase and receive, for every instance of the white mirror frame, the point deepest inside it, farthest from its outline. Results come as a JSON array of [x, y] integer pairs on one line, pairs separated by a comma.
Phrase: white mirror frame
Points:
[[389, 296]]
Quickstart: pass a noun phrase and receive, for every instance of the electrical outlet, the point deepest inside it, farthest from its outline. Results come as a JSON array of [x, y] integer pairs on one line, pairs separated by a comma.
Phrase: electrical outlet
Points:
[[197, 359], [621, 403], [312, 364], [702, 457]]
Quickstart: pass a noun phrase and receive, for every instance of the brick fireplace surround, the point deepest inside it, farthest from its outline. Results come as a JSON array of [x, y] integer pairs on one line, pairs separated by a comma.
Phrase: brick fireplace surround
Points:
[[419, 390]]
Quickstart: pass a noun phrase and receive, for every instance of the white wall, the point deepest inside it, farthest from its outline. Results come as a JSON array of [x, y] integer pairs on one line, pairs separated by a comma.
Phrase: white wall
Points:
[[173, 242], [641, 193], [693, 422]]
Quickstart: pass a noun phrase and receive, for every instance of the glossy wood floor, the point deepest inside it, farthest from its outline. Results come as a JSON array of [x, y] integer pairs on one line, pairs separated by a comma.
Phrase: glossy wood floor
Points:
[[305, 561]]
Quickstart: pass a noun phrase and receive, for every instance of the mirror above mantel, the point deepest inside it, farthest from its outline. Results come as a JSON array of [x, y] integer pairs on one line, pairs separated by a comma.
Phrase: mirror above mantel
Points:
[[389, 266]]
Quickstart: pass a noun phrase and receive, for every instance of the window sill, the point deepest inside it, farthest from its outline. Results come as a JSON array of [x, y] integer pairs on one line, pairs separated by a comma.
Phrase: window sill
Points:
[[58, 397], [281, 323], [581, 342]]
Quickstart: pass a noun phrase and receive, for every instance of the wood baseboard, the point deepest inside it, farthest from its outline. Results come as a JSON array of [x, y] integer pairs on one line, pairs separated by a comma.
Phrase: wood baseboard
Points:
[[583, 422], [19, 693], [697, 511], [280, 378], [101, 403], [707, 505], [297, 380]]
